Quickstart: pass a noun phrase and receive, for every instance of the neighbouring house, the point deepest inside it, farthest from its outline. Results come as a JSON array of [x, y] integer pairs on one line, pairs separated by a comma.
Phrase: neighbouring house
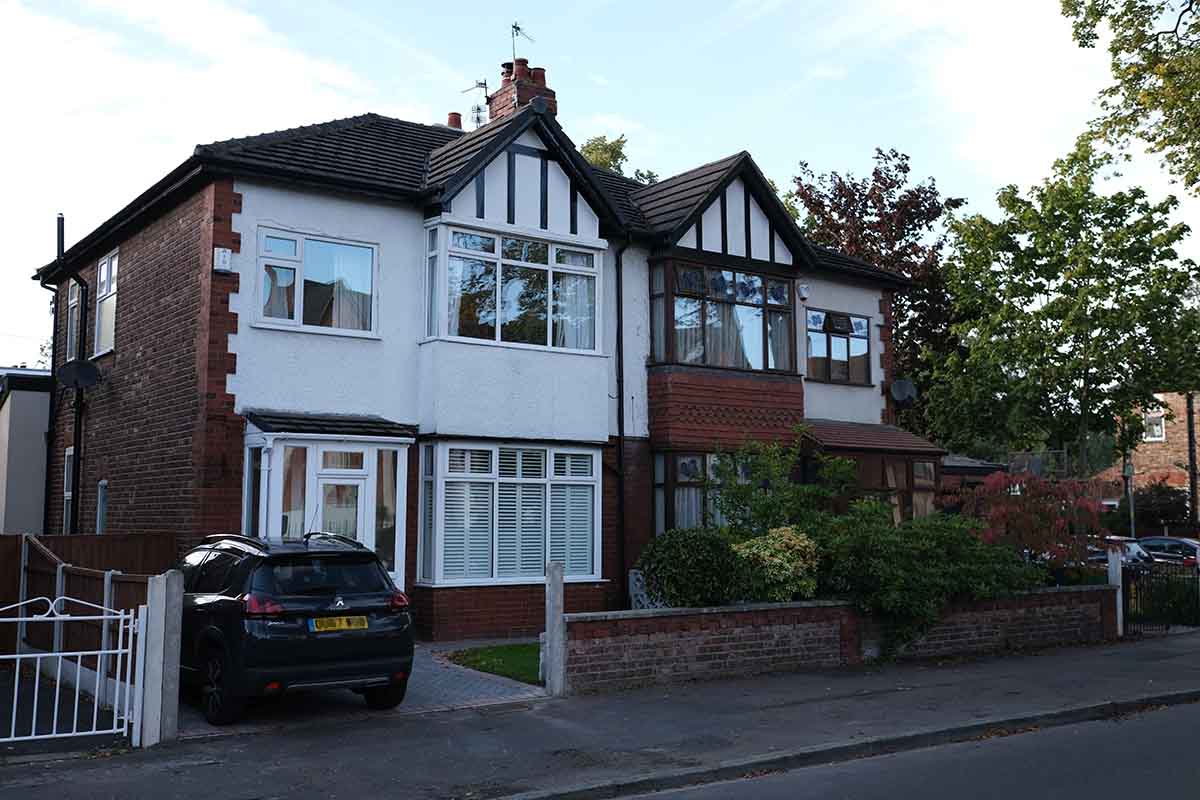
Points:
[[24, 412], [471, 351], [1162, 455]]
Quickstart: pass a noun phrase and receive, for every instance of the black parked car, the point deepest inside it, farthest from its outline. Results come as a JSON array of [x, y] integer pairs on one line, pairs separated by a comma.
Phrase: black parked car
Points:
[[263, 618], [1172, 549]]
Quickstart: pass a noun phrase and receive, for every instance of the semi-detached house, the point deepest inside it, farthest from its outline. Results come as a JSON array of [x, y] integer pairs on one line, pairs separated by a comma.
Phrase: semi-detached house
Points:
[[471, 351]]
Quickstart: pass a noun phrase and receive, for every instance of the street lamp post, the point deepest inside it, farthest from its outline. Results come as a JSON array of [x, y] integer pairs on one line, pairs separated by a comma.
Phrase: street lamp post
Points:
[[1127, 475]]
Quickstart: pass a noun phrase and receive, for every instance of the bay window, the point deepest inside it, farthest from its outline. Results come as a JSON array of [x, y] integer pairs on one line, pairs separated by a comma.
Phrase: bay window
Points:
[[839, 347], [684, 491], [721, 318], [512, 289], [316, 282], [498, 513]]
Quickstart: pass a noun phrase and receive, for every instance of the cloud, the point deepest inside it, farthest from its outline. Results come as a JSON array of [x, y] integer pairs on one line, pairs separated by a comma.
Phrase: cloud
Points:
[[96, 116], [599, 80], [611, 124], [825, 72]]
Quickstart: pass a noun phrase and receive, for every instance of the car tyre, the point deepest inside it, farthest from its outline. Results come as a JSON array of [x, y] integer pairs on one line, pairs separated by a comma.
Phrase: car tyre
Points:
[[385, 698], [219, 704]]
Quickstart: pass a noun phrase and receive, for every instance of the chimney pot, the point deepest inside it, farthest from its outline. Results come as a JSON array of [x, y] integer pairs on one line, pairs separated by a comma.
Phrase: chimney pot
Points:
[[506, 71], [454, 120], [521, 68], [538, 74]]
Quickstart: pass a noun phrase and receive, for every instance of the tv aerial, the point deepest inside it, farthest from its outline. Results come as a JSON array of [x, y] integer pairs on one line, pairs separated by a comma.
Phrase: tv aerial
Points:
[[479, 110], [518, 31]]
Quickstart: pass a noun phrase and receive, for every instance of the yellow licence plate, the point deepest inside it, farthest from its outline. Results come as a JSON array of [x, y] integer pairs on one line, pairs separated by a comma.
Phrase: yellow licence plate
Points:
[[327, 624]]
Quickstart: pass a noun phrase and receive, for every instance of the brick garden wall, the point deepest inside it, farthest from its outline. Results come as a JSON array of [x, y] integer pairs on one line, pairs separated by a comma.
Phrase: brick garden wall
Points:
[[623, 649]]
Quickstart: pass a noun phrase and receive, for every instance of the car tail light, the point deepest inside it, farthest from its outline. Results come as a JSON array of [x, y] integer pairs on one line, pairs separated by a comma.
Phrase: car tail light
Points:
[[258, 605], [399, 601]]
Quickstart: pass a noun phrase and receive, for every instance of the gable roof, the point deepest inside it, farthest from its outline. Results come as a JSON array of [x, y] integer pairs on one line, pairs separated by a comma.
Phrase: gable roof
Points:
[[667, 204]]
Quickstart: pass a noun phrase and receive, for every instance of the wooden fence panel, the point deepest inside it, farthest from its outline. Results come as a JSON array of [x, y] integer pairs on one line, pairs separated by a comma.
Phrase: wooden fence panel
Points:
[[141, 553], [10, 585]]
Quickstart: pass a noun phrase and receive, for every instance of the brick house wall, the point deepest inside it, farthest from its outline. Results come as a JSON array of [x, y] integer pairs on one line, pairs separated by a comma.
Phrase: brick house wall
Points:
[[1155, 461], [159, 426]]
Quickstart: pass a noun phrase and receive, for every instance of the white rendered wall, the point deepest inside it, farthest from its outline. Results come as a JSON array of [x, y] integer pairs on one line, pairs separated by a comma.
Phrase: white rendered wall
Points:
[[832, 401], [735, 228], [23, 461], [636, 291]]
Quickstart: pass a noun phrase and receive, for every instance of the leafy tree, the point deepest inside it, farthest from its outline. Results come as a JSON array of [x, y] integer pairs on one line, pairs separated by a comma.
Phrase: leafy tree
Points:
[[897, 225], [600, 151], [1154, 505], [1073, 308], [1155, 54], [788, 199]]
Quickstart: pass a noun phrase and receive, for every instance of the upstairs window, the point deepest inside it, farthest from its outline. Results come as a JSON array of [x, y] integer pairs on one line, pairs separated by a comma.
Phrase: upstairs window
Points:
[[721, 318], [72, 343], [839, 347], [106, 303], [314, 282], [519, 290], [1156, 423]]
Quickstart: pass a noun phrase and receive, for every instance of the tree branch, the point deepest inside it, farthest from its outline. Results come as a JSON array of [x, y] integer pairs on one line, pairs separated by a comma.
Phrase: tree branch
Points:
[[1188, 8]]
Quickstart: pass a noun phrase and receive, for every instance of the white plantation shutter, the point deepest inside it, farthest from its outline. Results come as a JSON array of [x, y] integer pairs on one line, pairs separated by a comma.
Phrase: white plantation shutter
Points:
[[572, 465], [571, 526], [521, 530], [427, 539], [467, 530], [509, 462], [515, 463], [475, 462]]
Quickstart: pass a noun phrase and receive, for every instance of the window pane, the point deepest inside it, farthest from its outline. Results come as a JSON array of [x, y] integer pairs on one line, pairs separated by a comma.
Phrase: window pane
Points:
[[861, 326], [477, 462], [471, 289], [572, 465], [341, 459], [689, 507], [473, 241], [720, 285], [816, 320], [574, 258], [660, 510], [337, 285], [818, 352], [571, 527], [427, 545], [385, 509], [520, 529], [839, 366], [778, 292], [526, 250], [658, 339], [923, 475], [689, 280], [106, 321], [279, 292], [749, 289], [254, 490], [779, 340], [660, 468], [733, 336], [433, 234], [339, 509], [431, 320], [467, 530], [860, 362], [689, 336], [657, 280], [574, 311], [427, 467], [523, 305], [689, 469], [279, 246], [295, 472]]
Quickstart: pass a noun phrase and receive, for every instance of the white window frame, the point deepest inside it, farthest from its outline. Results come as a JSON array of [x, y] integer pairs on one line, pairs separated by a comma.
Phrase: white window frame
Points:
[[68, 498], [442, 475], [72, 342], [296, 263], [107, 270], [441, 300], [1160, 414]]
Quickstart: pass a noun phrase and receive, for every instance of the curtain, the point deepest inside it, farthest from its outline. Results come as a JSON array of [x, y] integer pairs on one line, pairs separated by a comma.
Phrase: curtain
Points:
[[689, 336], [689, 507], [337, 285], [779, 340], [279, 292], [574, 311]]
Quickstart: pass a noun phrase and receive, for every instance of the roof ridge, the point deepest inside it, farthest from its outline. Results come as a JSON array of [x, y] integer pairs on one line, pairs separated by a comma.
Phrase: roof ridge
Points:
[[286, 134], [469, 134]]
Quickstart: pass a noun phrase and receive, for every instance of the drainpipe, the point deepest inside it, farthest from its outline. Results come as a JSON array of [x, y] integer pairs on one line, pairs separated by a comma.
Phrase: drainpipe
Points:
[[77, 440], [53, 401], [1193, 505], [621, 422]]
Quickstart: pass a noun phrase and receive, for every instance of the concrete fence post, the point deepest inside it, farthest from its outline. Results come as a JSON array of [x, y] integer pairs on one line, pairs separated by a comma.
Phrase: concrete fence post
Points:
[[1115, 570], [23, 589], [105, 637], [554, 655], [160, 678], [60, 590]]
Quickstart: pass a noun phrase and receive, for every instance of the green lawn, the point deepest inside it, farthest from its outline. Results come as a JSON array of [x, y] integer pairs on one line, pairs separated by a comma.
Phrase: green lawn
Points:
[[516, 661]]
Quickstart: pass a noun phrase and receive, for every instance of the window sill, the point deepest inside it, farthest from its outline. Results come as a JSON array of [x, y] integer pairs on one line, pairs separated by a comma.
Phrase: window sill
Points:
[[535, 348], [104, 353], [824, 382], [344, 334], [766, 373], [500, 582]]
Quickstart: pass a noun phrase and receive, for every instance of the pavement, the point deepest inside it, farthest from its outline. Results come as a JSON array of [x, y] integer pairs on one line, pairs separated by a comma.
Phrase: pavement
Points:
[[1152, 754], [646, 740]]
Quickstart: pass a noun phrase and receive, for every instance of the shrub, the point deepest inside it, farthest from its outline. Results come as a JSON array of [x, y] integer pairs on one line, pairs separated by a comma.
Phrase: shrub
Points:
[[778, 567], [906, 574], [690, 568]]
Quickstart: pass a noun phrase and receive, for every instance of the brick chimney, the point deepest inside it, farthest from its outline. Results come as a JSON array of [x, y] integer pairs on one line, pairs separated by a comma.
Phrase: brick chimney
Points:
[[519, 84]]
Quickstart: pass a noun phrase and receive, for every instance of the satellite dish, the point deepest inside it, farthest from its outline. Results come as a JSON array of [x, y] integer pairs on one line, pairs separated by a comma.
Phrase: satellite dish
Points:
[[904, 392], [78, 374]]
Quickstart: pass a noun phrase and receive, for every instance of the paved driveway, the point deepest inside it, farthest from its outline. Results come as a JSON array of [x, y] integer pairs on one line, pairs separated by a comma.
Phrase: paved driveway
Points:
[[436, 685]]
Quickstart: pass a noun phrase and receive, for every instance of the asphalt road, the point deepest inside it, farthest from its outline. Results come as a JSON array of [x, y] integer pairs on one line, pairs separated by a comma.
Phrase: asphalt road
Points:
[[1153, 754]]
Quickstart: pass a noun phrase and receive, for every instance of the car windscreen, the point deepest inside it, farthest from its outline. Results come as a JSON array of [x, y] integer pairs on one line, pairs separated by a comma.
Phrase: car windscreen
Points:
[[299, 575]]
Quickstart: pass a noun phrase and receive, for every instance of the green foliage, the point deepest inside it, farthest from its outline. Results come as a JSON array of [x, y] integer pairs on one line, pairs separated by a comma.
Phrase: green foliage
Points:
[[778, 567], [600, 151], [1155, 95], [691, 568], [1073, 309], [906, 574], [1154, 505]]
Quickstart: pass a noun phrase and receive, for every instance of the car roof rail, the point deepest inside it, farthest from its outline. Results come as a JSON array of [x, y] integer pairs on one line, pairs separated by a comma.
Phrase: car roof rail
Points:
[[261, 544], [336, 537]]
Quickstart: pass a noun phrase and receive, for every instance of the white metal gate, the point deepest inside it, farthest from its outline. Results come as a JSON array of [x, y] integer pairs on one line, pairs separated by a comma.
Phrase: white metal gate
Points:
[[50, 688]]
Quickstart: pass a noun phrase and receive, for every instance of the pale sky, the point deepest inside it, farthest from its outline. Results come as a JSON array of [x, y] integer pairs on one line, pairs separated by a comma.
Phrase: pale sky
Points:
[[101, 98]]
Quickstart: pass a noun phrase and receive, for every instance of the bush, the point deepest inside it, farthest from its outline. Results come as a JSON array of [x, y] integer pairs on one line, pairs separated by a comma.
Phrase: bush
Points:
[[778, 567], [691, 568], [907, 574], [1155, 506]]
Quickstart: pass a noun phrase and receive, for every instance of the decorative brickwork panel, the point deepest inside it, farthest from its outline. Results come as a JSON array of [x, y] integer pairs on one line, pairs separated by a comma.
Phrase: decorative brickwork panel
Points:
[[694, 407]]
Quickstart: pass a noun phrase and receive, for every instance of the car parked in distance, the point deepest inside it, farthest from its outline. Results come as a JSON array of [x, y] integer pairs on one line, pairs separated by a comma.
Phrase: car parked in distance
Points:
[[1132, 553], [1172, 549], [263, 618]]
